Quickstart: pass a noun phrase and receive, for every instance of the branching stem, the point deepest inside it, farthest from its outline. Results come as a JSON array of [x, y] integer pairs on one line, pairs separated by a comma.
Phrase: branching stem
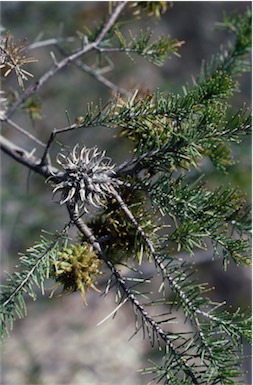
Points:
[[96, 75], [173, 284], [29, 160], [86, 231], [59, 65]]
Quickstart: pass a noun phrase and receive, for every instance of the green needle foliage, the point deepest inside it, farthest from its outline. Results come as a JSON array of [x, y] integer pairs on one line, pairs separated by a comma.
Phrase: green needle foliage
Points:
[[34, 270], [199, 214], [172, 135], [156, 52]]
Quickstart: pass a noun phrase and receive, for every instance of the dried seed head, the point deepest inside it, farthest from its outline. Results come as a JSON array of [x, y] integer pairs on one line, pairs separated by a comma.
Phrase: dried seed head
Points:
[[12, 58], [89, 178]]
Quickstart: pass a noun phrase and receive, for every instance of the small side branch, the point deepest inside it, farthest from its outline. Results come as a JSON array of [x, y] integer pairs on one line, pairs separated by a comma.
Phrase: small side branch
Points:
[[24, 132], [53, 41], [96, 75]]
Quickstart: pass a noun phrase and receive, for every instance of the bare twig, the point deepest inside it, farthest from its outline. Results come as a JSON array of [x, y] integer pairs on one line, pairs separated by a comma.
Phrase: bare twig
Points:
[[52, 137], [116, 49], [96, 75], [24, 132], [58, 66], [45, 43], [107, 83], [111, 21]]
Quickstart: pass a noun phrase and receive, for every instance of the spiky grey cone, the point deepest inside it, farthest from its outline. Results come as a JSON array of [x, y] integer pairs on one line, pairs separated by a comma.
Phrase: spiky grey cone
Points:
[[89, 178]]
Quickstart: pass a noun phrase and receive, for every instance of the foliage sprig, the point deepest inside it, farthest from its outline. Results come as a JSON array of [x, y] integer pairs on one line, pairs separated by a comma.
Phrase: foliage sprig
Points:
[[199, 214], [34, 270], [156, 52]]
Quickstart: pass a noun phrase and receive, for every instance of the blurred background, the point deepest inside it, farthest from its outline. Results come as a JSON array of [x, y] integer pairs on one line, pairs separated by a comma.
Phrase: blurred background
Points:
[[59, 342]]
